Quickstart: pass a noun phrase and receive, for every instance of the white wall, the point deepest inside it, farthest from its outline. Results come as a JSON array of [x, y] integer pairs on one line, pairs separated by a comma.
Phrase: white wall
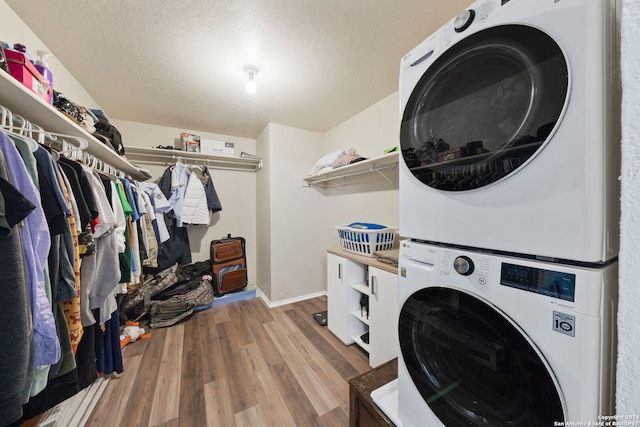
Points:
[[236, 189], [293, 232], [14, 30], [628, 375], [263, 213], [368, 197]]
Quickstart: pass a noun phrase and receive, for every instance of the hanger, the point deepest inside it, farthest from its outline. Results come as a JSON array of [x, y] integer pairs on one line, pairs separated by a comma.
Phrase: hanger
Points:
[[9, 123], [71, 146], [65, 141], [18, 125]]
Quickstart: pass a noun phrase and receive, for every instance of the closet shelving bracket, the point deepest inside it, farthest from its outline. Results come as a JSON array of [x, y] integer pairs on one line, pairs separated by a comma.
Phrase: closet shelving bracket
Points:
[[377, 164]]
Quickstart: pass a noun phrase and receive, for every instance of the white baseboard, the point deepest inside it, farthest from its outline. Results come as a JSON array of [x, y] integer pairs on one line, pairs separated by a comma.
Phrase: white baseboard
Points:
[[75, 411], [290, 300]]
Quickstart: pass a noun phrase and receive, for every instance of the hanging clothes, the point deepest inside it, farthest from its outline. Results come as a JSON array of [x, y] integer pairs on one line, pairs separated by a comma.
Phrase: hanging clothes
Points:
[[191, 195], [151, 240], [61, 238], [71, 307], [161, 206], [213, 201], [175, 182], [16, 330], [36, 244], [107, 271], [176, 249], [125, 257], [195, 209]]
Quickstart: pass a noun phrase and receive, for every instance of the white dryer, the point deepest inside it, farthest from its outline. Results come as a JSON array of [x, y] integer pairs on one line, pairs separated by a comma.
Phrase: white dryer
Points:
[[491, 340], [510, 130]]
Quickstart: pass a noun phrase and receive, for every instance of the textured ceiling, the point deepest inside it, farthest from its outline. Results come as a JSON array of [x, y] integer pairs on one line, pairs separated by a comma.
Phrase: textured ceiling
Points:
[[179, 63]]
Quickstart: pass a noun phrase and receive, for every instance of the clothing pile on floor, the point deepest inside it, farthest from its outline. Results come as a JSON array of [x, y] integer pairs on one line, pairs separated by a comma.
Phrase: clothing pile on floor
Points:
[[170, 296]]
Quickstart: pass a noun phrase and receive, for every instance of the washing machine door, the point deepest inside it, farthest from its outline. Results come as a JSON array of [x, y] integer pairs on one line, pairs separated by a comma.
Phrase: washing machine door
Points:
[[471, 365], [484, 108]]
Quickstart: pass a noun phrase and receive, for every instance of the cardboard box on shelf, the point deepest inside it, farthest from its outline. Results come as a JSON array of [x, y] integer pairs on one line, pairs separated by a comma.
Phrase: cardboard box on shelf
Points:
[[190, 142], [219, 148]]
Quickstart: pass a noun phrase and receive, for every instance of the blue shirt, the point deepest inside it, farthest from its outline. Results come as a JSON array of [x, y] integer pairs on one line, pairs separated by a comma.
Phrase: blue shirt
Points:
[[36, 244]]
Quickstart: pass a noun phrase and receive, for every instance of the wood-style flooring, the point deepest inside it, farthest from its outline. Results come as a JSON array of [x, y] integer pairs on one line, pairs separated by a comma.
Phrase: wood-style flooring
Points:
[[239, 364]]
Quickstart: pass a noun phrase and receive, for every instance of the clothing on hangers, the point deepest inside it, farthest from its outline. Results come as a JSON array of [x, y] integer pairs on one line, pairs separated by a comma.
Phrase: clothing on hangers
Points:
[[53, 327], [192, 188], [81, 233], [16, 331]]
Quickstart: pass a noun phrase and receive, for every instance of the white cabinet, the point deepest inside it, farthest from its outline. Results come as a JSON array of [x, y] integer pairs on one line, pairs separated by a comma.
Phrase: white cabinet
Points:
[[350, 281], [383, 316], [342, 275]]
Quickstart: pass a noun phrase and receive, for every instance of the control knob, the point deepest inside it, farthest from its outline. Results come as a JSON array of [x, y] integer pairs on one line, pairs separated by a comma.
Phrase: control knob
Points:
[[463, 20], [463, 265]]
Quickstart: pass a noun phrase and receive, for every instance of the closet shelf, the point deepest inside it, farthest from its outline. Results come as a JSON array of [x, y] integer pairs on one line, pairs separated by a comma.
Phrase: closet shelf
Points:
[[248, 164], [376, 164], [20, 100]]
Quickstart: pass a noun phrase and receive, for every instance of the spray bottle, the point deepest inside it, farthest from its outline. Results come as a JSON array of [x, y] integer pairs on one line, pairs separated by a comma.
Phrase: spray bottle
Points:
[[43, 68]]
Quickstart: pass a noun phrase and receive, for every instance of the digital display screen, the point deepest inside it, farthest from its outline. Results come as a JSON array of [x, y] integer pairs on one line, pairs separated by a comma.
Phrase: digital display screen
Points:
[[544, 282]]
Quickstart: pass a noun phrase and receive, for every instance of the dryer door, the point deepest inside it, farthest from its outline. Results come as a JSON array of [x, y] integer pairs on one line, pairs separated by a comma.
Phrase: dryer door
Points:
[[471, 365], [484, 108]]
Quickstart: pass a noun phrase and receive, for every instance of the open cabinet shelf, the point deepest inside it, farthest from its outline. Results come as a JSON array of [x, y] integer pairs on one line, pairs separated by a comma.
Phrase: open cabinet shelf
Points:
[[361, 316], [20, 100], [375, 164], [363, 345]]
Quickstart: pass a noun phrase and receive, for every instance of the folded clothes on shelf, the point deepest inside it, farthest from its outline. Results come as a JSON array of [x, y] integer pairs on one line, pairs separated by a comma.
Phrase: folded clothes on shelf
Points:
[[388, 256]]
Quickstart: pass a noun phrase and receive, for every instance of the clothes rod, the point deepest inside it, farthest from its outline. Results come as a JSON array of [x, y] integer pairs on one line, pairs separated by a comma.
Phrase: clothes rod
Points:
[[232, 164]]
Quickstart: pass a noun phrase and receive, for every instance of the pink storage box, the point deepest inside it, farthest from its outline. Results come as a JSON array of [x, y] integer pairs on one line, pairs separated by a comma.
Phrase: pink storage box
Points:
[[25, 72]]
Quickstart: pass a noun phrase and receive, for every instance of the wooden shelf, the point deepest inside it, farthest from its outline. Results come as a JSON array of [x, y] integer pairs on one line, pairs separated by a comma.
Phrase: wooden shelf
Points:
[[376, 164], [144, 154], [20, 100], [366, 260]]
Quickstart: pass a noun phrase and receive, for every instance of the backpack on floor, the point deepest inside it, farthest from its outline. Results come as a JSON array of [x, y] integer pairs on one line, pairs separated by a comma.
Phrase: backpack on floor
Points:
[[228, 265], [179, 302]]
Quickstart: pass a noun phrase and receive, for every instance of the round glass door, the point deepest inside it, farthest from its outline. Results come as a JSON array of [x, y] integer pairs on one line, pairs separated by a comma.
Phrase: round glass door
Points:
[[484, 108], [471, 365]]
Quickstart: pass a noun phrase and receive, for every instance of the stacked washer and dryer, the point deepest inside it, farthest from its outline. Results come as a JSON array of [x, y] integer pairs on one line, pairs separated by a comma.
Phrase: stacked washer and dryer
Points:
[[509, 199]]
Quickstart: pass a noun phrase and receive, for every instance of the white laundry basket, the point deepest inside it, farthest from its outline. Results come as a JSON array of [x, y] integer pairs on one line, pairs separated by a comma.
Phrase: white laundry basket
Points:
[[365, 241]]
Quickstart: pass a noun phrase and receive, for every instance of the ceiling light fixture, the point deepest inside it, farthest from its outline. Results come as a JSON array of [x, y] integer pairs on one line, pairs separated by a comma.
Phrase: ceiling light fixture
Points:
[[251, 71]]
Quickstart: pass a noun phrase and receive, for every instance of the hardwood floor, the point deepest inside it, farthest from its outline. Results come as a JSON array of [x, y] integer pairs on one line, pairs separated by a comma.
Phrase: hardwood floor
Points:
[[239, 364]]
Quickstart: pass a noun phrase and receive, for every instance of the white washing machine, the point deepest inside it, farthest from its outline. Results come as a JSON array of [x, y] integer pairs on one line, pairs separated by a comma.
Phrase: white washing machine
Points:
[[490, 340], [510, 130]]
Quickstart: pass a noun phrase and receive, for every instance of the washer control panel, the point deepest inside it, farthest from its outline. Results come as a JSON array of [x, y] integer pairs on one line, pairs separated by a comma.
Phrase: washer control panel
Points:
[[474, 268]]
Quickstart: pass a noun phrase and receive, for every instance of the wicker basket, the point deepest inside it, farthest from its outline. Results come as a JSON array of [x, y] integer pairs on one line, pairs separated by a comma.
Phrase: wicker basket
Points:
[[366, 241]]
